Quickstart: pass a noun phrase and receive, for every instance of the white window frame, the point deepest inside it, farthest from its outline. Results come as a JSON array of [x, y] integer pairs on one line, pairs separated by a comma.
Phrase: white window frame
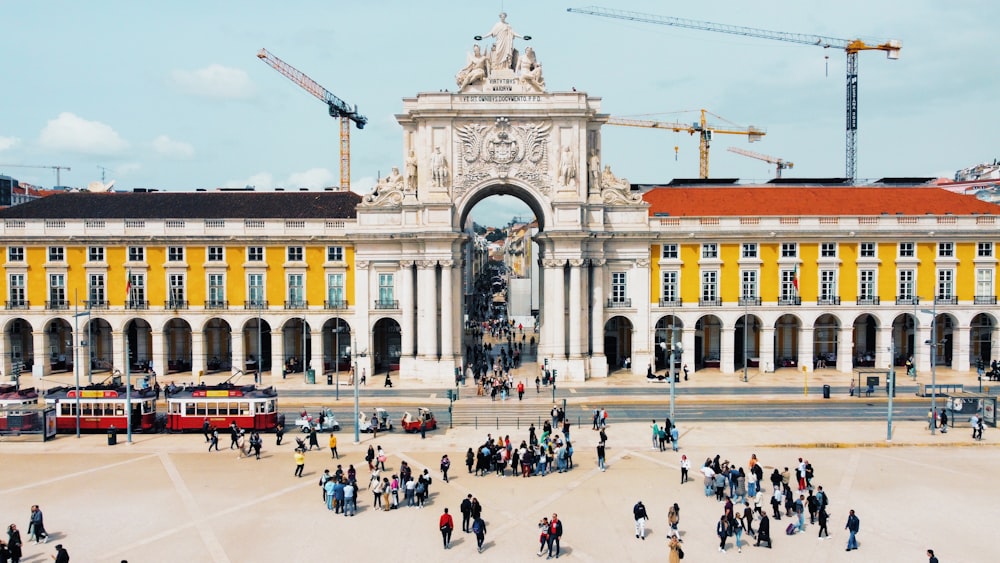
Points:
[[710, 251], [295, 253], [256, 253], [138, 293], [984, 250], [710, 285], [670, 251], [619, 287], [789, 250], [216, 289], [749, 285], [946, 250], [296, 288], [827, 285], [386, 287], [175, 254], [335, 254], [57, 288], [787, 290], [96, 288], [868, 250], [867, 283], [256, 293], [215, 254], [984, 282], [827, 250], [335, 287], [907, 250], [15, 254], [95, 254], [670, 285], [57, 254], [135, 254], [945, 284], [176, 289], [906, 283], [17, 289], [750, 250]]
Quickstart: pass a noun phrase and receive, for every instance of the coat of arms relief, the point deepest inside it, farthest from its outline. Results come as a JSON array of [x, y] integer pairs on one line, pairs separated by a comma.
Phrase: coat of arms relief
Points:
[[502, 150]]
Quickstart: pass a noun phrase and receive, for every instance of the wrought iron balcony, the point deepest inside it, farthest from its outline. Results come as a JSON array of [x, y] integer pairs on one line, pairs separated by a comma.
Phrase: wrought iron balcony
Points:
[[57, 304], [96, 304], [216, 304], [907, 300], [946, 300], [986, 300], [670, 302], [710, 302], [255, 304], [868, 301], [335, 304], [386, 304], [619, 303], [749, 301], [828, 301], [296, 304], [137, 304], [790, 301], [17, 304], [175, 304]]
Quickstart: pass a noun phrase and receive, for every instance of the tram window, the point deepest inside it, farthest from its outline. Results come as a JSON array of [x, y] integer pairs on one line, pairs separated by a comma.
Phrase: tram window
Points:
[[189, 409], [199, 408], [119, 409], [258, 408], [67, 409], [245, 409], [270, 406], [212, 409], [86, 410]]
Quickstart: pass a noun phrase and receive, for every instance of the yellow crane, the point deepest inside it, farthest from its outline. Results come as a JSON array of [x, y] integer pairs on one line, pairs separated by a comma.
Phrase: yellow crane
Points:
[[850, 46], [337, 108], [779, 163], [704, 130]]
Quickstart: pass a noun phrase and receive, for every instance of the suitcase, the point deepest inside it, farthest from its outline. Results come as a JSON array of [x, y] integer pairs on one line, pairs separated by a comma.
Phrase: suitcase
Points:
[[790, 530]]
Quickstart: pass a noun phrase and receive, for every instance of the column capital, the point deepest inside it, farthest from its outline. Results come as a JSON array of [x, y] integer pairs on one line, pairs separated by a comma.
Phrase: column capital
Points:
[[406, 263], [577, 262], [553, 262], [446, 263], [642, 262], [361, 264], [425, 264], [598, 262]]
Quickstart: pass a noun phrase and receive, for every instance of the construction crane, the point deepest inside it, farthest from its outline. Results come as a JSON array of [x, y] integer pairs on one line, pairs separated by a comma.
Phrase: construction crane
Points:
[[780, 163], [851, 46], [58, 169], [337, 107], [702, 127]]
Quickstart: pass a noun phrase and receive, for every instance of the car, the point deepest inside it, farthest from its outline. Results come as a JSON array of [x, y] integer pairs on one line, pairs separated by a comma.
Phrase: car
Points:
[[412, 424], [378, 420], [307, 422]]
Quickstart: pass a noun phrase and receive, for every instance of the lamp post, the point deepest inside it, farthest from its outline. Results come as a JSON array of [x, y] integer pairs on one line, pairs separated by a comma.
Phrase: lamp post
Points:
[[361, 353], [336, 358], [76, 355], [746, 328], [305, 364], [933, 342], [892, 387]]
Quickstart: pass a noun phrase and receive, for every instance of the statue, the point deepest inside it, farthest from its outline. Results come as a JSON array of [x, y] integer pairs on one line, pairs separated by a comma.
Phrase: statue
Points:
[[439, 168], [567, 166], [594, 163], [617, 191], [474, 69], [502, 54], [531, 70], [411, 172], [395, 179], [388, 192]]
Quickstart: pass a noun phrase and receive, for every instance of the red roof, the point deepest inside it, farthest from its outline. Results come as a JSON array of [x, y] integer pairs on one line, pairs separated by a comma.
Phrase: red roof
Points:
[[712, 201]]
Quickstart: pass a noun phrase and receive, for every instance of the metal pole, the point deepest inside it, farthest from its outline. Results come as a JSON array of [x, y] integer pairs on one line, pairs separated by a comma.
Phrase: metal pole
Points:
[[933, 340], [670, 365], [746, 345], [258, 376], [128, 391], [305, 364], [76, 357], [336, 358], [892, 388]]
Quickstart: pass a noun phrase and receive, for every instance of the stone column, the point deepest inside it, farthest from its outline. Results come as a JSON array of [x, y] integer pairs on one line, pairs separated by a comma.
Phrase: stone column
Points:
[[884, 352], [426, 309], [197, 353], [960, 348], [406, 307], [361, 326], [727, 335], [597, 298], [575, 309], [923, 350], [316, 358], [236, 348], [159, 351], [555, 307], [766, 353], [845, 350], [40, 364], [118, 357], [687, 339], [278, 352], [447, 311], [458, 344], [805, 348]]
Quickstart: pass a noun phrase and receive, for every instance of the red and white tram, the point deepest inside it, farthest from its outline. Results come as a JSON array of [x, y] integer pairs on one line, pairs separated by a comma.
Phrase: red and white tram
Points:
[[12, 418], [102, 406], [251, 408]]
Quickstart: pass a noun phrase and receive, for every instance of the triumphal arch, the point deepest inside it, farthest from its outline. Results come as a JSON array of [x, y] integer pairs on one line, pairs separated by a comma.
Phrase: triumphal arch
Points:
[[502, 131]]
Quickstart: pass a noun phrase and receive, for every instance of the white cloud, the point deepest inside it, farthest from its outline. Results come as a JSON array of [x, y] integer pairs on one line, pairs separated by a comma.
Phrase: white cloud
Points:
[[165, 146], [9, 143], [72, 133], [262, 181], [314, 179], [214, 81]]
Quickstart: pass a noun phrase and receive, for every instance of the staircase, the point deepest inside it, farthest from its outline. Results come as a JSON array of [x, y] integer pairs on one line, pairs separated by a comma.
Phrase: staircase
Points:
[[481, 412]]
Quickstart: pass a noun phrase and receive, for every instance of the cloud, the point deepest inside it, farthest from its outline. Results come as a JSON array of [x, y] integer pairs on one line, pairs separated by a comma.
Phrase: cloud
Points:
[[72, 133], [214, 81], [314, 178], [165, 146], [9, 143]]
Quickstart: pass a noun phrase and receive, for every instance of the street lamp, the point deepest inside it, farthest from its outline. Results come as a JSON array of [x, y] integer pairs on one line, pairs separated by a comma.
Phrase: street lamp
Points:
[[336, 358], [933, 342], [357, 411], [675, 348], [76, 355], [746, 345], [891, 385]]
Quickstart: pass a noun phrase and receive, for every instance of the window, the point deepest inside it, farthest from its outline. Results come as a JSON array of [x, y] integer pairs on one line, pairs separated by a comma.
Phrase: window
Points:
[[828, 250], [95, 290], [984, 282], [749, 250], [907, 281], [710, 250], [827, 285], [385, 288], [945, 283], [255, 288], [137, 292], [57, 288], [255, 254], [789, 249], [296, 290], [671, 285], [866, 250], [709, 286], [95, 254], [748, 286], [136, 254], [175, 297], [619, 287], [175, 254], [216, 290], [57, 254], [984, 249], [335, 254], [215, 254], [15, 254], [788, 290], [335, 290], [946, 250], [670, 252], [907, 250], [295, 254], [17, 291], [866, 284]]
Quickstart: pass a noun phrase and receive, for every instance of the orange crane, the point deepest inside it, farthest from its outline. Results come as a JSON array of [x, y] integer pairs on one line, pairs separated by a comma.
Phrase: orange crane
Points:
[[780, 163], [337, 107], [58, 169], [850, 46], [702, 127]]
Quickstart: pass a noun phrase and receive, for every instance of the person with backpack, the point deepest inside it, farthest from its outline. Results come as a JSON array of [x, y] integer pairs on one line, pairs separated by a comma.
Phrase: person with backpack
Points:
[[479, 528], [639, 513], [676, 553]]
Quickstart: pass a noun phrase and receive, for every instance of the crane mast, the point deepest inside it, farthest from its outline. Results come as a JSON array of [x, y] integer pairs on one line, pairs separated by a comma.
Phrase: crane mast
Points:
[[850, 46], [338, 109]]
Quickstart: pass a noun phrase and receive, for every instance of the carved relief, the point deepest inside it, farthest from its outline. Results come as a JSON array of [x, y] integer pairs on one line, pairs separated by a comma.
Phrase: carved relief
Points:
[[426, 264], [361, 264], [503, 150], [598, 262], [403, 264], [576, 263], [642, 262], [553, 263], [617, 191], [446, 263], [567, 166]]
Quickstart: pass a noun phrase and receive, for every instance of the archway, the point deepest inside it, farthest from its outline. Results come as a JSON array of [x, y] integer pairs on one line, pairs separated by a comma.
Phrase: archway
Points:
[[668, 330], [256, 345], [20, 346], [218, 355], [981, 331], [139, 336], [618, 342], [943, 340], [385, 345], [746, 343], [177, 337], [708, 342], [786, 341], [866, 341], [100, 345], [336, 345], [826, 341], [904, 328], [296, 345], [59, 345]]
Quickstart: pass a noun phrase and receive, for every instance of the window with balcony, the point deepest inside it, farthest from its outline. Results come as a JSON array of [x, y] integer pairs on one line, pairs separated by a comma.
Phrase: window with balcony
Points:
[[749, 250], [710, 288], [335, 254], [96, 293], [335, 291], [17, 292], [57, 291], [789, 250], [95, 254], [216, 254], [670, 284], [295, 254], [710, 251], [828, 250], [136, 254], [619, 290], [15, 254], [984, 287], [867, 250], [945, 285], [176, 294], [946, 250], [749, 294], [866, 288], [136, 291], [296, 291], [57, 254], [216, 291], [984, 249], [386, 291], [788, 292], [670, 251], [255, 254], [906, 284], [256, 296], [828, 288]]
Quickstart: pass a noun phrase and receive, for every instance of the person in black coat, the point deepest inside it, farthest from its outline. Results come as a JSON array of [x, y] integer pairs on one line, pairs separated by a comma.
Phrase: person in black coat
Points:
[[14, 543], [763, 530]]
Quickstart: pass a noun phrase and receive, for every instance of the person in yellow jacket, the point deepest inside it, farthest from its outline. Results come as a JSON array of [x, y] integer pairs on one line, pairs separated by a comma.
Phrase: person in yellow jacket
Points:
[[300, 461], [333, 446]]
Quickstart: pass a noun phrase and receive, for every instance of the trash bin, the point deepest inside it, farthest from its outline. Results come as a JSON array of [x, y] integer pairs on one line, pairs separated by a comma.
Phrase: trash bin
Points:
[[329, 379], [310, 376], [112, 436], [826, 391]]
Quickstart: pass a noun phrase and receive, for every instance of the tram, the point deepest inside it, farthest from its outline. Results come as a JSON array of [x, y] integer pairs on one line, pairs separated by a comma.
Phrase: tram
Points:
[[250, 407], [101, 407], [12, 418]]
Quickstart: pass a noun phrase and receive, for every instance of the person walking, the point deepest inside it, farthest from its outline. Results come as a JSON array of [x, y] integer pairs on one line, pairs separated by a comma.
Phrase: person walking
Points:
[[313, 438], [445, 465], [601, 450], [36, 526], [446, 524], [931, 558], [555, 534], [853, 526], [763, 529], [300, 461], [206, 429], [14, 543], [674, 436], [279, 433], [722, 530], [823, 518], [676, 553], [215, 440], [944, 421], [639, 513], [333, 446], [674, 517], [685, 468], [737, 530], [479, 528], [61, 556], [466, 510]]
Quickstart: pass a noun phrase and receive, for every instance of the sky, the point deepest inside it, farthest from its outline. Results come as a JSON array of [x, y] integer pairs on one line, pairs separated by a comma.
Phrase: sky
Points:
[[171, 95]]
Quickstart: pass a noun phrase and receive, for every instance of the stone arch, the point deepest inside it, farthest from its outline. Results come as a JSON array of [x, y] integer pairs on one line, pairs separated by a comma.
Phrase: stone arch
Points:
[[982, 334], [944, 331], [256, 345], [826, 341], [100, 344], [336, 345], [177, 341], [786, 341], [534, 199], [866, 340], [904, 330], [669, 328], [58, 345], [296, 344], [385, 345], [708, 342], [19, 345], [618, 341], [139, 336], [218, 347], [746, 342]]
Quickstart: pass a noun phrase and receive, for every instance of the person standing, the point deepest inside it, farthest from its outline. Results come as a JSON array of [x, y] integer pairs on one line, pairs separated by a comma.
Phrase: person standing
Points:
[[446, 524], [300, 461], [823, 518], [656, 435], [479, 528], [676, 553], [555, 534], [466, 510], [520, 390], [944, 421], [206, 429], [800, 511], [737, 529], [14, 543], [639, 513], [674, 517], [279, 432], [256, 442], [350, 498], [763, 529], [853, 526], [685, 468], [61, 556], [445, 465], [722, 530], [36, 526], [313, 438], [931, 558], [333, 446], [674, 436], [234, 434], [601, 450]]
